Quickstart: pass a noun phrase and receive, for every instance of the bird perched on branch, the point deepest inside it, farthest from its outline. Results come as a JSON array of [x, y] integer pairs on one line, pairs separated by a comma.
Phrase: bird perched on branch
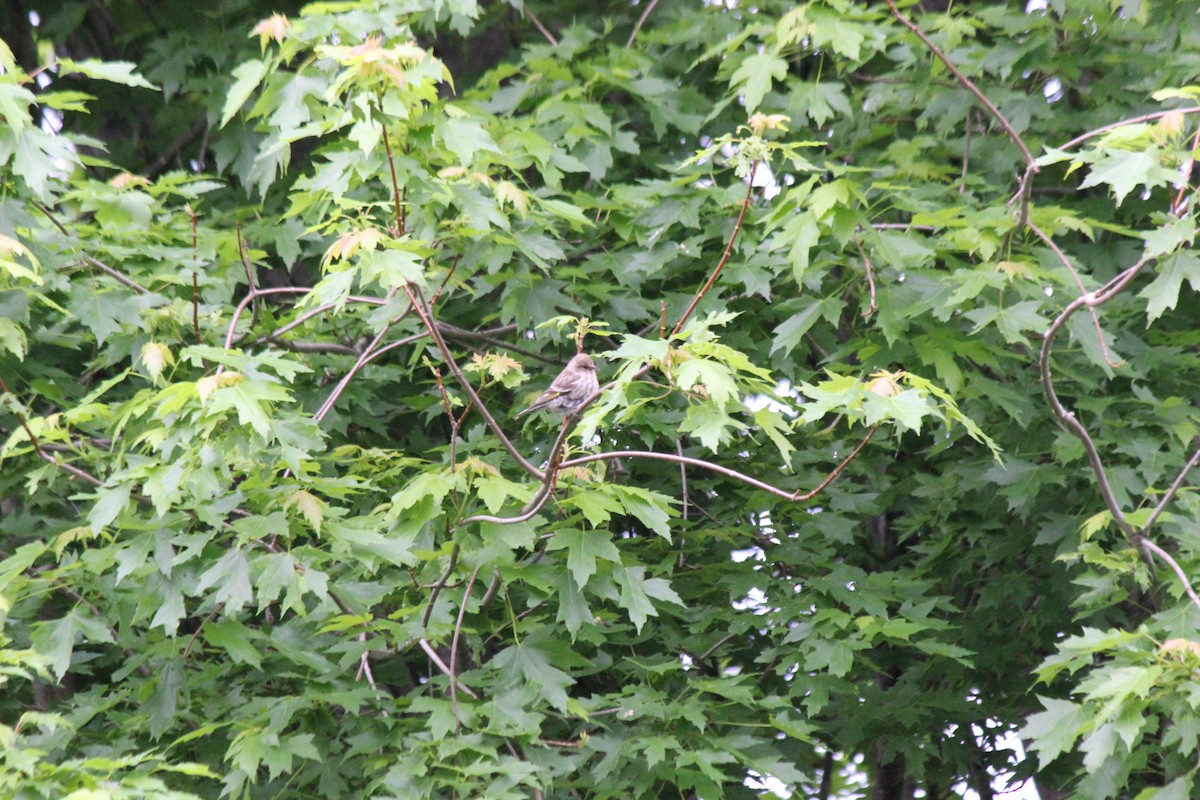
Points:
[[575, 384]]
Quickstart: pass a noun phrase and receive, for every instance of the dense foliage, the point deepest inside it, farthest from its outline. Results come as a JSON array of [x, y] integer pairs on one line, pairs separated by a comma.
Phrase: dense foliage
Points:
[[895, 314]]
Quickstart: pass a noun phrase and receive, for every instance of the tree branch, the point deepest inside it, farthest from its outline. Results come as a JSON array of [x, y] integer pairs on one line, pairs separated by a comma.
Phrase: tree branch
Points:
[[1067, 418], [797, 496], [737, 226], [418, 302], [966, 83], [1174, 565]]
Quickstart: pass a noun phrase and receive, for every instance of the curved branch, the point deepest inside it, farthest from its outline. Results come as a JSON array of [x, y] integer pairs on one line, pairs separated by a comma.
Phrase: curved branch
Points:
[[445, 670], [462, 610], [737, 226], [798, 495], [641, 21], [1067, 418], [327, 406], [548, 479], [418, 302], [1078, 140], [1171, 492], [1174, 565], [968, 84], [1066, 262]]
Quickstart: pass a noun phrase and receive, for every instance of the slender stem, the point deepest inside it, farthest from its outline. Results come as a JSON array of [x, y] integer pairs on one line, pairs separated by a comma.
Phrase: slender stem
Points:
[[731, 473], [462, 610], [1066, 262], [439, 585], [398, 206], [641, 21], [1078, 140], [443, 668], [418, 302], [870, 269], [1169, 495], [537, 23], [327, 406], [107, 270], [1067, 418], [1174, 565], [966, 83], [737, 226]]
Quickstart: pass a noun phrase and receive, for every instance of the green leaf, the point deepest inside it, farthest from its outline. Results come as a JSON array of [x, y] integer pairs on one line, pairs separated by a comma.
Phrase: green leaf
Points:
[[464, 137], [231, 575], [235, 639], [110, 501], [1053, 732], [755, 75], [121, 72], [1162, 294], [583, 549], [1123, 170], [652, 509], [531, 665], [247, 77]]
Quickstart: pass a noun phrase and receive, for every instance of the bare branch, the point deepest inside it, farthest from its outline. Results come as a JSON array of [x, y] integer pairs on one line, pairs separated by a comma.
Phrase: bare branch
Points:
[[966, 83], [1173, 490], [737, 226], [1067, 418], [870, 269], [797, 495], [1062, 257], [327, 406], [1078, 140], [641, 21], [439, 585], [398, 230], [107, 270], [418, 302], [462, 610], [1174, 565], [445, 670], [537, 23]]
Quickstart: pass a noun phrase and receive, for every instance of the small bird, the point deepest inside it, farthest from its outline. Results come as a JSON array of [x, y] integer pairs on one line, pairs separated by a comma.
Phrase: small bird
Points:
[[576, 383]]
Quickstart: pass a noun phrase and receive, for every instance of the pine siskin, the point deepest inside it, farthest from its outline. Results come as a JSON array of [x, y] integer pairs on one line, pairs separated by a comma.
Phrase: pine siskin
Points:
[[575, 384]]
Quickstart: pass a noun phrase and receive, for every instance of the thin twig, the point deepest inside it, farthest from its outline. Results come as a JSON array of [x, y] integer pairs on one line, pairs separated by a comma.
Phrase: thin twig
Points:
[[1078, 140], [870, 268], [398, 230], [462, 610], [549, 477], [902, 226], [1067, 418], [1174, 565], [1185, 174], [641, 21], [1066, 262], [418, 302], [439, 585], [966, 160], [715, 646], [42, 454], [737, 226], [965, 82], [445, 670], [731, 473], [682, 481], [1173, 490], [327, 406], [107, 270], [537, 23], [196, 307]]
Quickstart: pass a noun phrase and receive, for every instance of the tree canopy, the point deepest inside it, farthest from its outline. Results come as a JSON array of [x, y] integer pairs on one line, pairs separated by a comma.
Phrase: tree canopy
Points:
[[895, 317]]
